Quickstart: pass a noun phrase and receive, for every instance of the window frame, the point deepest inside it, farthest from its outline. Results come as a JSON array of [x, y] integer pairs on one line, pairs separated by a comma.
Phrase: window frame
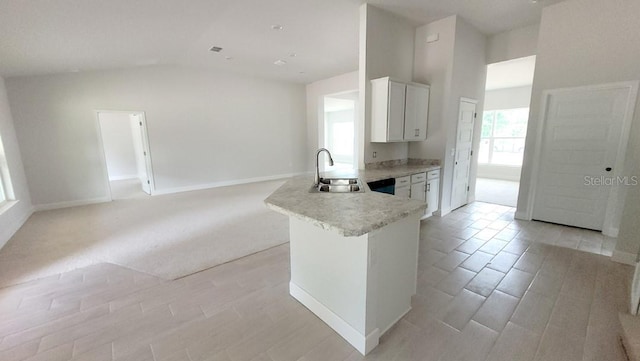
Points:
[[492, 138]]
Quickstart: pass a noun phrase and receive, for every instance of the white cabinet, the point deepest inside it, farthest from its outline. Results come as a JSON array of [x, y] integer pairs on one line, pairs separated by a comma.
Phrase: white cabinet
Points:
[[419, 186], [433, 190], [403, 187], [416, 111], [399, 111]]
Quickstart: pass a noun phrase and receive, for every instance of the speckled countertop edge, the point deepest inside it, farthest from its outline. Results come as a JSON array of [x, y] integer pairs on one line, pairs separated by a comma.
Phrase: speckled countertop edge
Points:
[[352, 214]]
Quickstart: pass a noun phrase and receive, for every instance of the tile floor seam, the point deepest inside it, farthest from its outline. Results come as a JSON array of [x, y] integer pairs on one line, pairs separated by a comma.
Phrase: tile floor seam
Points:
[[441, 227]]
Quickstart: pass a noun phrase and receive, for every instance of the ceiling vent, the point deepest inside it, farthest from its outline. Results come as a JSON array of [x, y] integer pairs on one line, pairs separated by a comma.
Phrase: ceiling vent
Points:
[[216, 49]]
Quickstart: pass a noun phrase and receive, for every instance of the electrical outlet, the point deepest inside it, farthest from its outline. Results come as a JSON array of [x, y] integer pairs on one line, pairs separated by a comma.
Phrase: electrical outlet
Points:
[[375, 154]]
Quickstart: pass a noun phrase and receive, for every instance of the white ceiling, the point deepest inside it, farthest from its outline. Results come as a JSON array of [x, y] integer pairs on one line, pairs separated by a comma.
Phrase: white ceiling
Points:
[[43, 37], [511, 73]]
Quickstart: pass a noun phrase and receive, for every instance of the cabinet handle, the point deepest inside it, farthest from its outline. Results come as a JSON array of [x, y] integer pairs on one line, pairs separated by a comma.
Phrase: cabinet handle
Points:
[[417, 132], [428, 187]]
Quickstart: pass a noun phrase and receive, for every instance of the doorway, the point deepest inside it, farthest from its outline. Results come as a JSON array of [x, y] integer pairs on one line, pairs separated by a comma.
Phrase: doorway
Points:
[[504, 129], [338, 129], [127, 158]]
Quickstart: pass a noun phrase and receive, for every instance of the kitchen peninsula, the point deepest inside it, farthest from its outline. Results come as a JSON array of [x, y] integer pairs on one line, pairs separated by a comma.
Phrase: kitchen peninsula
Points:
[[353, 255]]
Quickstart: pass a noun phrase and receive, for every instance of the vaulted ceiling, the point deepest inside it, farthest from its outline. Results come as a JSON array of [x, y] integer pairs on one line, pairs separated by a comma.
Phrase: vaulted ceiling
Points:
[[317, 39]]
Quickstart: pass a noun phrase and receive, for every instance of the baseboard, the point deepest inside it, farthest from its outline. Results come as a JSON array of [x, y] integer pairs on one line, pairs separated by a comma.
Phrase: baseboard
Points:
[[123, 177], [364, 344], [395, 321], [624, 257], [83, 202], [15, 226], [611, 232], [523, 216], [49, 206], [198, 187]]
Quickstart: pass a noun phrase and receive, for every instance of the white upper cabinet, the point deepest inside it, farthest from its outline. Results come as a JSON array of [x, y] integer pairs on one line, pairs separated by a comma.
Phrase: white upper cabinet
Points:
[[399, 111], [416, 111]]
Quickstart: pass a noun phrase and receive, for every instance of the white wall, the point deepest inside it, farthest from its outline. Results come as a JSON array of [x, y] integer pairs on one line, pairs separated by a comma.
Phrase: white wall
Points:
[[508, 98], [386, 49], [434, 66], [205, 128], [11, 219], [469, 79], [316, 92], [512, 44], [585, 42], [118, 145], [455, 66]]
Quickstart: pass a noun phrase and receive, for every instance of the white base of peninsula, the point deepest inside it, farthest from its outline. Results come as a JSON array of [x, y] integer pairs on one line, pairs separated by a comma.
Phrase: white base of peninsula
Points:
[[360, 286], [362, 343]]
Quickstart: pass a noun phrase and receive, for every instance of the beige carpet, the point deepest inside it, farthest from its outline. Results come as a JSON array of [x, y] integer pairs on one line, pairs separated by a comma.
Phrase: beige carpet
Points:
[[497, 191], [167, 236]]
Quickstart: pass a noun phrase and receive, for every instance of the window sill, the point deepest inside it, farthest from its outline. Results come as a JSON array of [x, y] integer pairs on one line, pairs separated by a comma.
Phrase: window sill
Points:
[[6, 206]]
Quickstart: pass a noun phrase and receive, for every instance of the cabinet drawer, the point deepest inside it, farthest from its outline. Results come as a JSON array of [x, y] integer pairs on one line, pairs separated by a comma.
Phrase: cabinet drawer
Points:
[[403, 191], [403, 181], [433, 174], [418, 177]]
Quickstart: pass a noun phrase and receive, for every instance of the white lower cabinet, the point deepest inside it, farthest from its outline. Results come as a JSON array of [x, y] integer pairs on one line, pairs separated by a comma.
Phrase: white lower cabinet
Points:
[[419, 186], [433, 190], [404, 191], [403, 187], [424, 186]]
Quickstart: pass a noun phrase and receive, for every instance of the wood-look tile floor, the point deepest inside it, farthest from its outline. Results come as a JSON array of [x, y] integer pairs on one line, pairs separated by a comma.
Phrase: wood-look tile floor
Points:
[[489, 288]]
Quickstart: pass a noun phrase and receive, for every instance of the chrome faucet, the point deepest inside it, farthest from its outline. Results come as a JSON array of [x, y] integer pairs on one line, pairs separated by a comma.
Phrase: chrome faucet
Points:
[[316, 180]]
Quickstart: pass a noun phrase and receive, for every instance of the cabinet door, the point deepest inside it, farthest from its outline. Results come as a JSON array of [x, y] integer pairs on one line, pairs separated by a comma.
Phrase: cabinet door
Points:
[[395, 117], [418, 191], [416, 112], [403, 191], [433, 188]]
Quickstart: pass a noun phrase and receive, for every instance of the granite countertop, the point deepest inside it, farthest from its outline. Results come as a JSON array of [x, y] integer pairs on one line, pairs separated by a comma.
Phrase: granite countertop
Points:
[[350, 214]]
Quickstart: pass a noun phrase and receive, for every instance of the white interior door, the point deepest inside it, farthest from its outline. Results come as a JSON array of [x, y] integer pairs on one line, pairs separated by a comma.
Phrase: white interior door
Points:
[[579, 150], [462, 160], [141, 146]]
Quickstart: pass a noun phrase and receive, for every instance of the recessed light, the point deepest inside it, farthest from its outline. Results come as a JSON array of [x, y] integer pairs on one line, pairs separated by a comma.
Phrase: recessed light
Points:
[[277, 27], [279, 62], [74, 70], [301, 72], [228, 58], [216, 49], [293, 55]]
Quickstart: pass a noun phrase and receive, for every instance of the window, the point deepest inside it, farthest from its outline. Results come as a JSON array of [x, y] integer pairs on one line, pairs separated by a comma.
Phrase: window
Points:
[[503, 134], [3, 194], [339, 129], [4, 176]]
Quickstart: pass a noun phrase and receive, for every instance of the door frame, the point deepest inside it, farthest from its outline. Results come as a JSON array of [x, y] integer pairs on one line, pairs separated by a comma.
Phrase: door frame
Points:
[[321, 122], [609, 228], [145, 144], [453, 179]]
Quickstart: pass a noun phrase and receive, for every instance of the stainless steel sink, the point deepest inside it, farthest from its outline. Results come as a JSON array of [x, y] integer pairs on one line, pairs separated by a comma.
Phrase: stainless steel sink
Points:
[[339, 181], [338, 185]]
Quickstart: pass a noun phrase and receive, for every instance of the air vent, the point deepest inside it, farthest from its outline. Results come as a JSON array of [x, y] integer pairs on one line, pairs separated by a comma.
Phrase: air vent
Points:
[[216, 49]]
